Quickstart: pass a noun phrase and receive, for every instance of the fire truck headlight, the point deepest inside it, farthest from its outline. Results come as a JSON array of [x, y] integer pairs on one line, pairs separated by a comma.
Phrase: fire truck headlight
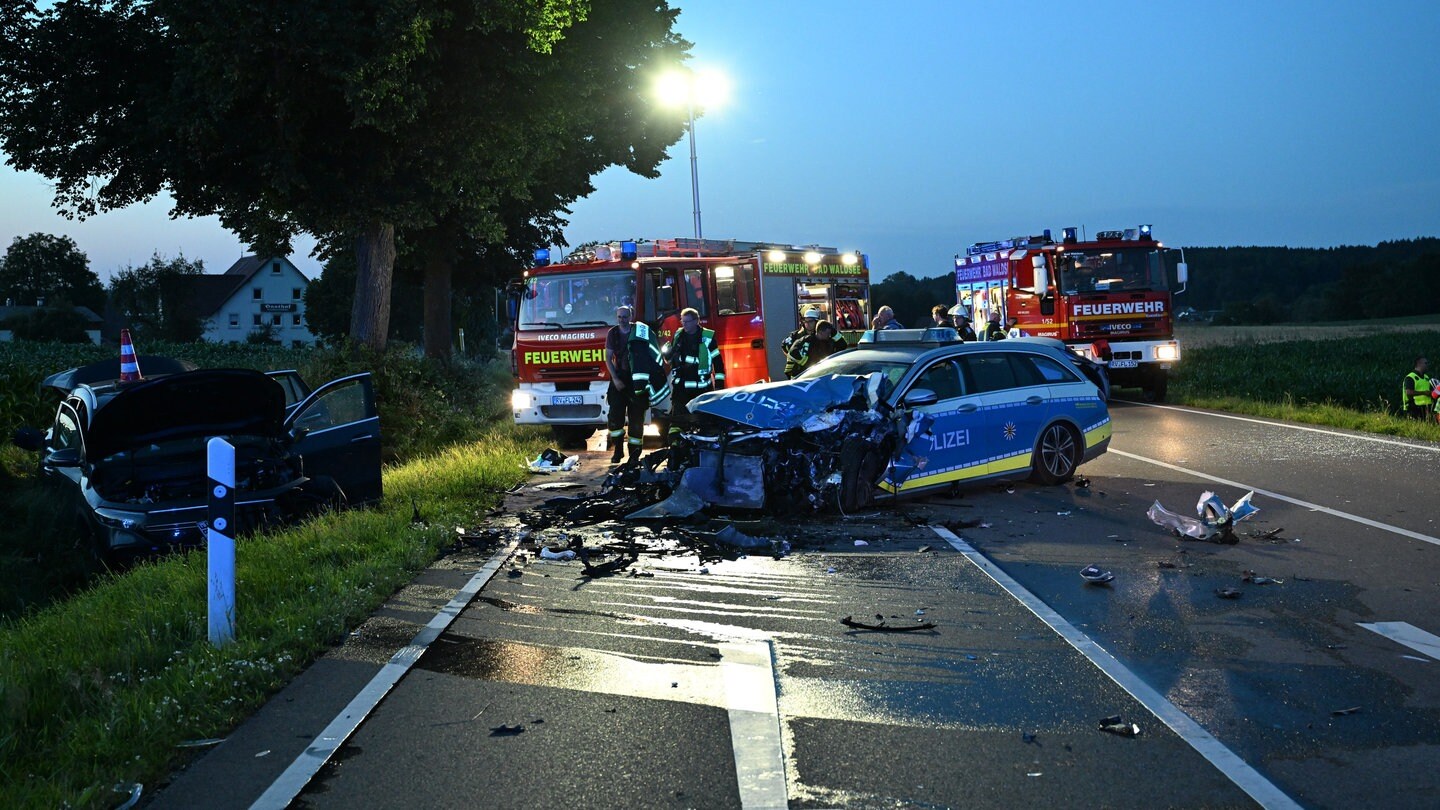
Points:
[[521, 400], [1169, 351]]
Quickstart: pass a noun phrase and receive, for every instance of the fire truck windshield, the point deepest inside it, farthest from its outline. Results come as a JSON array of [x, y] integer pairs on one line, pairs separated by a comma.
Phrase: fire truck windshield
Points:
[[1111, 269], [573, 300]]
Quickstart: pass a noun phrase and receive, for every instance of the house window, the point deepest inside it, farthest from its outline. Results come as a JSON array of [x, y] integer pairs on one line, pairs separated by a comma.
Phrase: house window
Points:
[[256, 319], [274, 320], [295, 320], [275, 268], [294, 293], [234, 320], [256, 294]]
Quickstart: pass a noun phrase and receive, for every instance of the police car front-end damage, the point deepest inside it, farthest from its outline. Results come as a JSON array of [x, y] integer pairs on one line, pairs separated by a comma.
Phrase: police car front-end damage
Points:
[[796, 446]]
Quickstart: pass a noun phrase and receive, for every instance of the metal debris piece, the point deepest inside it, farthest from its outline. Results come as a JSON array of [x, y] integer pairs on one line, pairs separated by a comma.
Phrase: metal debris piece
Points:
[[1227, 593], [1341, 712], [881, 626], [1095, 575], [559, 485], [1115, 725], [683, 502], [1216, 522]]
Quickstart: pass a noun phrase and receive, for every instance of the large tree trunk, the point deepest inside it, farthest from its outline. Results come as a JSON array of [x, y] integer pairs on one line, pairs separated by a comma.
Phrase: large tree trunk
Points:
[[439, 268], [375, 261]]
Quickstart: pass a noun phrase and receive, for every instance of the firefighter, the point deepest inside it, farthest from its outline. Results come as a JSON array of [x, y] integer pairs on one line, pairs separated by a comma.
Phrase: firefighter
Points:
[[806, 329], [812, 349], [962, 325], [1415, 391], [637, 378], [695, 367], [993, 329]]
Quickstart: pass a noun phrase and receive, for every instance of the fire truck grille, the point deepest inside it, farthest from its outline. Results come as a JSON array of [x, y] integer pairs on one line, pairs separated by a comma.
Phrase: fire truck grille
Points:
[[570, 411], [576, 373]]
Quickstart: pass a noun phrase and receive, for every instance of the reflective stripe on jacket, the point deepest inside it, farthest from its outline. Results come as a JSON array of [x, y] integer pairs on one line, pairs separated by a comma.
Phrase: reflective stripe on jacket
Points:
[[1421, 395]]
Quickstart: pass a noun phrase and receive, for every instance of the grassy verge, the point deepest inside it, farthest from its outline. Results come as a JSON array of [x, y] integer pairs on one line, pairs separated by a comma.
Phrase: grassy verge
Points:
[[100, 689]]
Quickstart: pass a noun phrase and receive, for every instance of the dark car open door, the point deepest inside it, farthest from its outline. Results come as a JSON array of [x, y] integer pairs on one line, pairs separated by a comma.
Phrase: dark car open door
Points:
[[339, 436]]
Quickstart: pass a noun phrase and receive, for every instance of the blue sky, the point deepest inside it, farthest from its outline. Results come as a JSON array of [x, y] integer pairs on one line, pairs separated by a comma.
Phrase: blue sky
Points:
[[909, 130]]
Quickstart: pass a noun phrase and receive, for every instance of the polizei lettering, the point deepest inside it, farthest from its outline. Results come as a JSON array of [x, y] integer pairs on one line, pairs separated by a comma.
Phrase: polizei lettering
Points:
[[560, 358], [1121, 308], [950, 438]]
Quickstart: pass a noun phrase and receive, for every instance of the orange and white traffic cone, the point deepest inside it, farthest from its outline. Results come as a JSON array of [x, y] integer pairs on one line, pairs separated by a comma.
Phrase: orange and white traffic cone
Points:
[[129, 367]]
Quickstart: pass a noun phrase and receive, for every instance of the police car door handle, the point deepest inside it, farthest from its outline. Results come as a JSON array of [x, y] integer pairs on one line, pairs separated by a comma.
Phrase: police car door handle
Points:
[[966, 407], [1034, 400]]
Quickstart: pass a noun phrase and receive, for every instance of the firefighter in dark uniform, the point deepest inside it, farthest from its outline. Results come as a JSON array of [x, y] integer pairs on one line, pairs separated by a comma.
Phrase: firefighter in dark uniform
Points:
[[637, 379], [695, 367], [808, 320]]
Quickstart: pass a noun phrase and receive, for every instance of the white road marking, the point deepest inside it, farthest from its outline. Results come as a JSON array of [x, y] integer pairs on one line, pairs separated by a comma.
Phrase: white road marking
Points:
[[1235, 769], [748, 670], [289, 784], [1432, 448], [1315, 507], [1409, 635]]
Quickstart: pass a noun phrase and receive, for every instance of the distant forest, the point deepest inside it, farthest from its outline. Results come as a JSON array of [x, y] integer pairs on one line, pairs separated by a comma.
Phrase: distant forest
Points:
[[1258, 285]]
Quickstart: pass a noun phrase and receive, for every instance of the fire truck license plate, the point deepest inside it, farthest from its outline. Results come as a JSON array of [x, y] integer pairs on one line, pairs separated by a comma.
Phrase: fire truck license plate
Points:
[[1113, 364], [574, 399]]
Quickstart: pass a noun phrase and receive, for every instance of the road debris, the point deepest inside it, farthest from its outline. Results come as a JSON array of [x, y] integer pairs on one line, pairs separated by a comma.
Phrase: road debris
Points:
[[552, 460], [547, 554], [132, 790], [1342, 712], [1117, 726], [1216, 522], [881, 626], [1095, 575], [507, 730], [1252, 577], [1227, 593]]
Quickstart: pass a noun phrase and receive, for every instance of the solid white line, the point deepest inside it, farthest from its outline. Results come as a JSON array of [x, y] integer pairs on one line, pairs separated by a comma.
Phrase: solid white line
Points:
[[1235, 769], [1409, 635], [1374, 524], [748, 670], [289, 784], [1431, 447]]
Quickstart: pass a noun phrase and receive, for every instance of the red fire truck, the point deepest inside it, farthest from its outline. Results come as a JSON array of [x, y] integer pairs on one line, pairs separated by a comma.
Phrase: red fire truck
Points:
[[750, 293], [1112, 289]]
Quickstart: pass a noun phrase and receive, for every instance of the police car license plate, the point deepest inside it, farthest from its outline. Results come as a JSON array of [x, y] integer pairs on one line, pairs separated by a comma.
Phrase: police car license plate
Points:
[[1124, 363], [574, 399]]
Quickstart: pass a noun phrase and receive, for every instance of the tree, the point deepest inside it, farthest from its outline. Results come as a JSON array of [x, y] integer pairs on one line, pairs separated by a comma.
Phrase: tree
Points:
[[153, 298], [60, 325], [50, 268], [347, 119]]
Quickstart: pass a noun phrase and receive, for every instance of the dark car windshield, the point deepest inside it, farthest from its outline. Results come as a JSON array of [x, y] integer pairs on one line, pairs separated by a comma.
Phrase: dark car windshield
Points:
[[570, 300], [857, 363]]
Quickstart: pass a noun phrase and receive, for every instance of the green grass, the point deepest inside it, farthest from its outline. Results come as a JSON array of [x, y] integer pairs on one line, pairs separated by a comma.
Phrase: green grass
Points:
[[99, 689]]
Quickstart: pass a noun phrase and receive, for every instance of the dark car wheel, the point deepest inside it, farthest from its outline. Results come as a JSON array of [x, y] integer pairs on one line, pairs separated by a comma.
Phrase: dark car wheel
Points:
[[1056, 456], [860, 466]]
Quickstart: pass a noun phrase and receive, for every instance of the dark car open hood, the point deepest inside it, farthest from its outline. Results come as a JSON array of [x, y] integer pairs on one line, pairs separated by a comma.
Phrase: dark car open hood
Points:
[[787, 404], [210, 402]]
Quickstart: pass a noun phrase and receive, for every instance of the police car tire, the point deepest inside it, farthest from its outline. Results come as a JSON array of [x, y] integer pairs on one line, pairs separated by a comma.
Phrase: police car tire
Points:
[[859, 467], [1057, 454]]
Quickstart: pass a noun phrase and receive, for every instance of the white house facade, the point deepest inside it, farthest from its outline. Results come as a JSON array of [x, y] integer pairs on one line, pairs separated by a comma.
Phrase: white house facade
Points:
[[267, 293]]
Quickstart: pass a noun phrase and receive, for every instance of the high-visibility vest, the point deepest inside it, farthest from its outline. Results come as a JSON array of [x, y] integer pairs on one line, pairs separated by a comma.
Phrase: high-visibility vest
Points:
[[706, 356], [1421, 397]]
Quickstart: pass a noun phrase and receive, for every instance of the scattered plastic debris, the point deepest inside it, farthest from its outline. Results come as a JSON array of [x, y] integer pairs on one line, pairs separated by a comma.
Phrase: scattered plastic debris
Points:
[[1063, 514], [264, 753], [552, 460], [1215, 524], [1117, 726], [923, 549], [1081, 482], [559, 485], [881, 626], [862, 543], [1227, 593], [1095, 575], [547, 554], [1342, 712], [1252, 577]]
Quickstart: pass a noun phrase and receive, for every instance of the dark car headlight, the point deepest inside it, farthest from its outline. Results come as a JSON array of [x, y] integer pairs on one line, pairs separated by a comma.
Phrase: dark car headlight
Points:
[[119, 519]]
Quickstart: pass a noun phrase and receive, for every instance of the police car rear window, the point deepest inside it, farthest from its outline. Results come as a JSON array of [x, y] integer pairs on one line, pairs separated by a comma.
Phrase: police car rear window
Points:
[[1049, 370]]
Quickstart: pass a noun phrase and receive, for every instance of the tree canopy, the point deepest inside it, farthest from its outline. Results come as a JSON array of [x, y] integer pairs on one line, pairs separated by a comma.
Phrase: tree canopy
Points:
[[52, 268], [347, 119], [148, 298]]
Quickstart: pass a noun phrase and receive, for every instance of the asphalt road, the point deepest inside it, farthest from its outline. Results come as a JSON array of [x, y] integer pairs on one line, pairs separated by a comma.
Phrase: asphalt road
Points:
[[734, 684]]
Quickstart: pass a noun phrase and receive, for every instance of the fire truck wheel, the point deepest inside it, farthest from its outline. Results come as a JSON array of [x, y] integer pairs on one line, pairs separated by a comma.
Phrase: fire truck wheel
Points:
[[1056, 455], [572, 437], [1155, 387]]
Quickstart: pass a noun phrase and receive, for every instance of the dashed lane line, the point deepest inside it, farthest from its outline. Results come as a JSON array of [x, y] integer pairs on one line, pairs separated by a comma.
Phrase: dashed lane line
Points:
[[1315, 507], [1236, 769], [289, 784], [750, 700]]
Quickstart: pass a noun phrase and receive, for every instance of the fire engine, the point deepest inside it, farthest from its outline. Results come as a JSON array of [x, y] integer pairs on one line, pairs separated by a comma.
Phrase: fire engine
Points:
[[751, 293], [1108, 297]]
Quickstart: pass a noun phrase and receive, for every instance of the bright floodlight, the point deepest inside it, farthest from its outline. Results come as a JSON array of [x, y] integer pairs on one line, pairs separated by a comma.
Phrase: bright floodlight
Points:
[[704, 89]]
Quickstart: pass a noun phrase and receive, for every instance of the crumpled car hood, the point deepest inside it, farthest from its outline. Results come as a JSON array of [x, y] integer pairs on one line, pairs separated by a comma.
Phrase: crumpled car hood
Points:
[[210, 402], [790, 403]]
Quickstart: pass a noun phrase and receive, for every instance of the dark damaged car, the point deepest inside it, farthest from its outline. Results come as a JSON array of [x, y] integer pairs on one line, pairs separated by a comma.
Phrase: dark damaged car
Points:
[[907, 411], [130, 458]]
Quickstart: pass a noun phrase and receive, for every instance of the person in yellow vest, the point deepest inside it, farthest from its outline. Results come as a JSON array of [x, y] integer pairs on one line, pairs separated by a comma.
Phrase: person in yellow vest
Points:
[[1415, 391], [637, 381], [695, 367]]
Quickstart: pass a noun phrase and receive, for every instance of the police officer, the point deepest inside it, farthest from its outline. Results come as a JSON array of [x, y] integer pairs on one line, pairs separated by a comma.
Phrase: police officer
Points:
[[695, 367], [1415, 391], [637, 378]]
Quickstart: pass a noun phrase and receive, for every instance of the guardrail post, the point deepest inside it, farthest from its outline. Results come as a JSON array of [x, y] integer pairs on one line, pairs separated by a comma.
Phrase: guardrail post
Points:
[[220, 542]]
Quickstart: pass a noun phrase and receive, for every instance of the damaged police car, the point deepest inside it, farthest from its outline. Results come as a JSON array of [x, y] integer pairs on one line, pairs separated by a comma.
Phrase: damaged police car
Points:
[[907, 411], [130, 458]]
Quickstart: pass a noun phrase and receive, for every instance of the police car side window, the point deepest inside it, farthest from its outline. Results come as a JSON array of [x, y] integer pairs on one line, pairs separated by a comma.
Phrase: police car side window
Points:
[[1049, 370], [943, 378], [989, 372]]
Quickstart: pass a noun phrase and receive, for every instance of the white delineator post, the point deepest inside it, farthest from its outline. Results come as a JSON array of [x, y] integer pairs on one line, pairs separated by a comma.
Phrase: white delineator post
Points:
[[220, 543]]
